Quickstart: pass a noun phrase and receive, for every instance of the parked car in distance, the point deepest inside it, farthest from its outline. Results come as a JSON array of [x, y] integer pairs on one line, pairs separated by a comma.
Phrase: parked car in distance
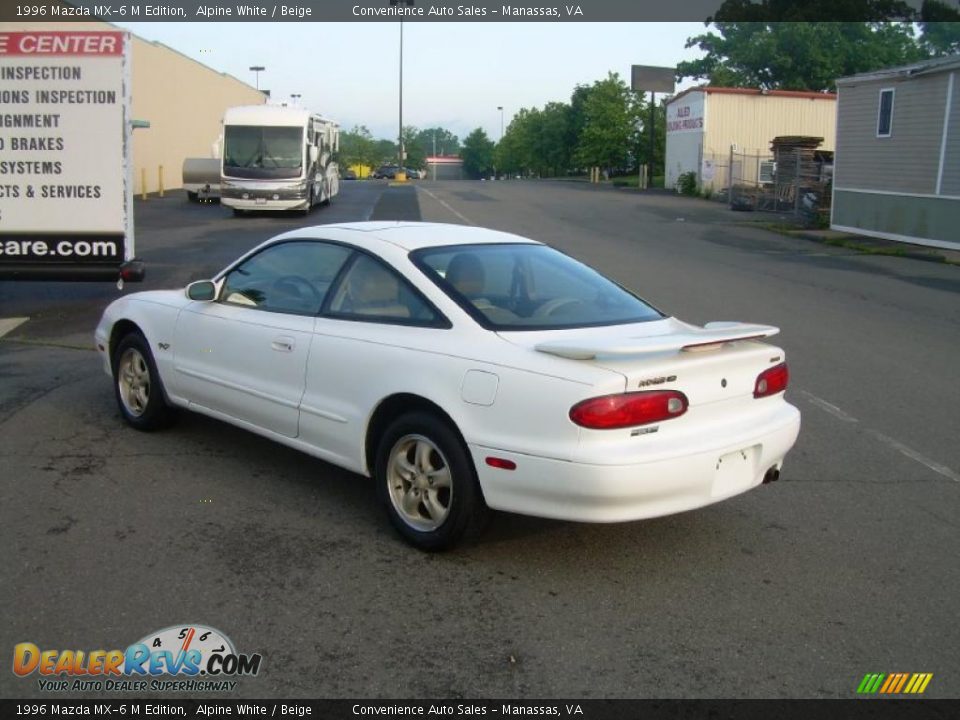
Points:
[[388, 172], [462, 369], [412, 174], [349, 175]]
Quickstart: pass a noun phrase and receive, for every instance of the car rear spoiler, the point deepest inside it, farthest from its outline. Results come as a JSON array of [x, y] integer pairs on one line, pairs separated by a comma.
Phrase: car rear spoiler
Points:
[[711, 336]]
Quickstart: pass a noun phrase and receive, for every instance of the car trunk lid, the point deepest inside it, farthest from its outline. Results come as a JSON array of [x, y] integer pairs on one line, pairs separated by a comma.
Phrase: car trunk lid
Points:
[[718, 362]]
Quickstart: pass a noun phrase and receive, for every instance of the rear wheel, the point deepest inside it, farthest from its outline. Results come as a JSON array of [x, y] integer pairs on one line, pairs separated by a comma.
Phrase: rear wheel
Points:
[[137, 385], [426, 482]]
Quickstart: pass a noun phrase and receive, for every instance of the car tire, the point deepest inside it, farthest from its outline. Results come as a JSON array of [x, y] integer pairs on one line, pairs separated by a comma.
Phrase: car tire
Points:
[[237, 212], [137, 385], [192, 196], [427, 483]]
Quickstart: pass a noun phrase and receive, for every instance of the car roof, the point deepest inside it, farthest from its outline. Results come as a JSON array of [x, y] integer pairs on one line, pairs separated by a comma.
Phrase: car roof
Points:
[[410, 235]]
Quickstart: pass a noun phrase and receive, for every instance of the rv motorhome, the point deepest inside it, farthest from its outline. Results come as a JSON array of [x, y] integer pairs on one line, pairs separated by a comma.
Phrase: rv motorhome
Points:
[[277, 158]]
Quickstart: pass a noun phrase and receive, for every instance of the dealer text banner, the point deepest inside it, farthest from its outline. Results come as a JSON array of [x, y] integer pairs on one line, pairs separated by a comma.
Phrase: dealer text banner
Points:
[[119, 11]]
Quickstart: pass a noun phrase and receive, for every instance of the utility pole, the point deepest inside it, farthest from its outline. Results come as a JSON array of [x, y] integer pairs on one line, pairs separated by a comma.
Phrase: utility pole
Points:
[[653, 109], [400, 143]]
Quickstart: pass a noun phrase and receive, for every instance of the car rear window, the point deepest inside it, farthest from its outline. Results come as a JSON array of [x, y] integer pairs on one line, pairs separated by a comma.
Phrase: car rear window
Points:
[[529, 287]]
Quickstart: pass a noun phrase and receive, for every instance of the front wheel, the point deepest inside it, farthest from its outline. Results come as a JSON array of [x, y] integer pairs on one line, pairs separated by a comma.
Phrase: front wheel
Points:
[[426, 482], [137, 385]]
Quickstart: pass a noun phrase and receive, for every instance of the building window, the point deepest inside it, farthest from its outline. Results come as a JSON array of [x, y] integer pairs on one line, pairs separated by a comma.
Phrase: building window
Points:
[[885, 113]]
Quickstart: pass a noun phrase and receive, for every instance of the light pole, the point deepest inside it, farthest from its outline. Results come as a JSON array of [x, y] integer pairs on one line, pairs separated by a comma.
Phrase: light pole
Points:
[[296, 98], [400, 143], [394, 3], [257, 69], [500, 108]]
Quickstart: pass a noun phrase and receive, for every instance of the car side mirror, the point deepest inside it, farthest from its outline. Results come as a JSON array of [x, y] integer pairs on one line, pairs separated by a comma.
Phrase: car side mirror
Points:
[[202, 291], [314, 153]]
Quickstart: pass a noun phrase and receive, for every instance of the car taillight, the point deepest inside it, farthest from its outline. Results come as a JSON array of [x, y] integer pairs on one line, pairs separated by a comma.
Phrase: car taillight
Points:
[[772, 381], [611, 412]]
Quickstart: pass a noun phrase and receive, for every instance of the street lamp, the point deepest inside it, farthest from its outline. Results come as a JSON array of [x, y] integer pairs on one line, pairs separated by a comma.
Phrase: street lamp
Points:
[[296, 98], [257, 69], [395, 3], [400, 142], [500, 108]]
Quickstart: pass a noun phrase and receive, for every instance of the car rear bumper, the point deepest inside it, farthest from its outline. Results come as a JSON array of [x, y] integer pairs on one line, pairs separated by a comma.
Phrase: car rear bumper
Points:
[[252, 204], [589, 492]]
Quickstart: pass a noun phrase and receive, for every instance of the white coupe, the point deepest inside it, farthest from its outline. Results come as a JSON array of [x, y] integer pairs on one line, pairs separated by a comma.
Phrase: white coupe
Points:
[[461, 368]]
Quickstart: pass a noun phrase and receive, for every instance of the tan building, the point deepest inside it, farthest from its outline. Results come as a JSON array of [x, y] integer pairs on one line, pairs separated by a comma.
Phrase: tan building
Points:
[[705, 123], [181, 98]]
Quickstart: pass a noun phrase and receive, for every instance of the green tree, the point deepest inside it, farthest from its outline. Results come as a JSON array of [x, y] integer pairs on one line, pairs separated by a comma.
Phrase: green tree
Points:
[[577, 116], [610, 114], [642, 138], [941, 28], [477, 154], [798, 55], [357, 147], [438, 141], [556, 154], [515, 152], [384, 152], [813, 11], [416, 156]]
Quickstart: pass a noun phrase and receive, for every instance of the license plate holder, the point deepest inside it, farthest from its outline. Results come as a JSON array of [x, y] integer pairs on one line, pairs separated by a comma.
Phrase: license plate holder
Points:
[[735, 471]]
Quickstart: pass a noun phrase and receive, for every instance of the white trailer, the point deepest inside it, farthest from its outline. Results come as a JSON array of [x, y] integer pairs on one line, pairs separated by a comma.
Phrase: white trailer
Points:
[[201, 178], [277, 158]]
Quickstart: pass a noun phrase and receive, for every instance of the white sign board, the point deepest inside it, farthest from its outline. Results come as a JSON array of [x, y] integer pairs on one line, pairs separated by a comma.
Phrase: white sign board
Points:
[[707, 171], [65, 193], [685, 114]]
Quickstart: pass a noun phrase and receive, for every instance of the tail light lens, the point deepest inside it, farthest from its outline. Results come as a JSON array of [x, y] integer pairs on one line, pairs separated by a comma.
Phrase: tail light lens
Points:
[[772, 381], [610, 412]]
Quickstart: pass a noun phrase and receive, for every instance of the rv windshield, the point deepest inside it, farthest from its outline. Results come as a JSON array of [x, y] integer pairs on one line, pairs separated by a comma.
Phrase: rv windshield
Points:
[[262, 152]]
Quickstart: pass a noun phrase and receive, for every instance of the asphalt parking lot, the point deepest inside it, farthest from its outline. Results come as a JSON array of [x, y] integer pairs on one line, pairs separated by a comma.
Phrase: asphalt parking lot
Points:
[[847, 565]]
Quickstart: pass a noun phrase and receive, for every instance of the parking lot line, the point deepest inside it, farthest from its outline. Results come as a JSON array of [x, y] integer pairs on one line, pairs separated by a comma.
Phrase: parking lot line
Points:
[[914, 455], [828, 407], [460, 215], [10, 324], [886, 439]]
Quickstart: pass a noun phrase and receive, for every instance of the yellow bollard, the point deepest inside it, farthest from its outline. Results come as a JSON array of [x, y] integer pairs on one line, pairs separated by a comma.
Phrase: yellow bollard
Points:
[[143, 183], [160, 179]]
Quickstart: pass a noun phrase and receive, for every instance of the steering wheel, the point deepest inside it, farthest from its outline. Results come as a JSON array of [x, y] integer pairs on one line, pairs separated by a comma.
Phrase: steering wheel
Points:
[[550, 307], [300, 283]]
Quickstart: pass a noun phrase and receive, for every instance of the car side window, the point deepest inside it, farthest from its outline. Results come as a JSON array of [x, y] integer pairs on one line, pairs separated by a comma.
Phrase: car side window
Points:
[[291, 277], [371, 291]]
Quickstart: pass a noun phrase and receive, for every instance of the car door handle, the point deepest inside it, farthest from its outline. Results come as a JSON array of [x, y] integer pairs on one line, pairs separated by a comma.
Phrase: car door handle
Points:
[[283, 343]]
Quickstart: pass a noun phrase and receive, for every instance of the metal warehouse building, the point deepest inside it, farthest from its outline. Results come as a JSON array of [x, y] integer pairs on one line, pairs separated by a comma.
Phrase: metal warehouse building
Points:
[[897, 167], [708, 127], [182, 99]]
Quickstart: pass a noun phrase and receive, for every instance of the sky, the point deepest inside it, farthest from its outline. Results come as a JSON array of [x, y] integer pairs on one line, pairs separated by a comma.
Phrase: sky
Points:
[[455, 74]]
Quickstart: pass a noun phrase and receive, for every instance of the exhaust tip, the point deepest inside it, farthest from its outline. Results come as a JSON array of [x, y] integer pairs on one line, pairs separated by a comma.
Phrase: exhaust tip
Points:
[[772, 475]]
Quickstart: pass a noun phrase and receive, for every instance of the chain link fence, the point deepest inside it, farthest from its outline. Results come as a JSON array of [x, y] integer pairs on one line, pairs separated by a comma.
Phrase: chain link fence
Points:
[[790, 180]]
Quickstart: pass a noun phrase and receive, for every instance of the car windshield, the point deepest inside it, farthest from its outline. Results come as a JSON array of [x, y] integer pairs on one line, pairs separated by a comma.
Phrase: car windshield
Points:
[[529, 287], [262, 152]]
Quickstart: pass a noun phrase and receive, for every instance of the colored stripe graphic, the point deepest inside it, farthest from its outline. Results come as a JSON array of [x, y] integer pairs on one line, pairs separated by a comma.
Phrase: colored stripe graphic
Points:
[[894, 683], [870, 683]]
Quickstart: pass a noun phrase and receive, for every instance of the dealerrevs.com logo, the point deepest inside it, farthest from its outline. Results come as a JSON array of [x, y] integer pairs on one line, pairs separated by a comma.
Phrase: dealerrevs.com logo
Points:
[[185, 658]]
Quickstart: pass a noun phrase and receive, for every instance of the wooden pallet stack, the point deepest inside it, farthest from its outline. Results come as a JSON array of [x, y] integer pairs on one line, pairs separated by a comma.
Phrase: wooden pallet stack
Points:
[[798, 171]]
